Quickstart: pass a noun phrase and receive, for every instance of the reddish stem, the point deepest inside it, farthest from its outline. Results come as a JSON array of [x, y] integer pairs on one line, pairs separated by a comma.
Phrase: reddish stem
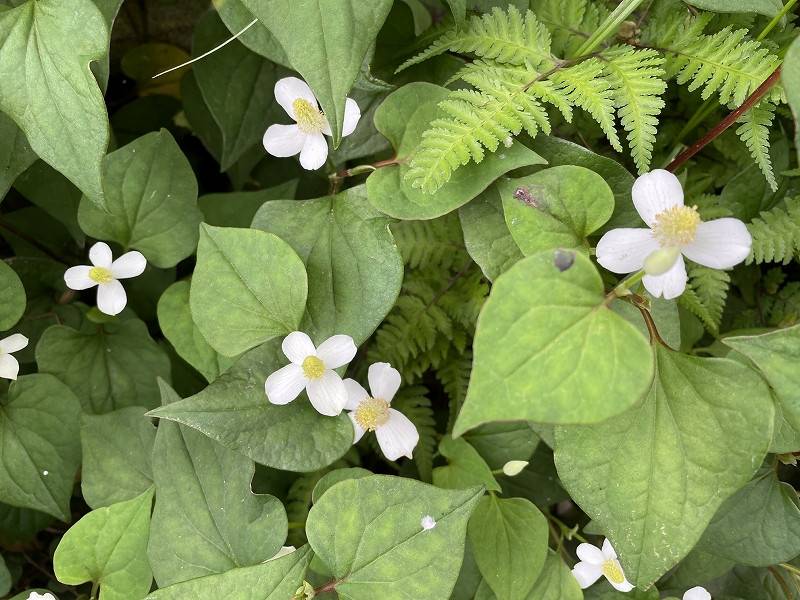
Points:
[[723, 125]]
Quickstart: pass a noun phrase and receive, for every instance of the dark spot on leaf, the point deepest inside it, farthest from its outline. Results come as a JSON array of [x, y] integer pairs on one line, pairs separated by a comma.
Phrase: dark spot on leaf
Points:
[[524, 195], [563, 259]]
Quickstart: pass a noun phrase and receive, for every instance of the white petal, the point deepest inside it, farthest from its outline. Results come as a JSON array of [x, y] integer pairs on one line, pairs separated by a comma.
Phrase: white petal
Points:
[[590, 554], [327, 393], [284, 140], [282, 552], [285, 384], [13, 343], [358, 431], [352, 114], [111, 297], [655, 192], [9, 367], [608, 550], [289, 89], [697, 593], [398, 436], [130, 264], [384, 381], [669, 285], [314, 152], [720, 244], [337, 351], [586, 574], [77, 278], [100, 255], [625, 250], [355, 394], [297, 346], [625, 586]]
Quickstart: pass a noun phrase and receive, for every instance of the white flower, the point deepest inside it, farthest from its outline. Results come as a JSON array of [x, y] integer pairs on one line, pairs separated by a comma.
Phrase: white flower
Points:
[[397, 436], [658, 198], [697, 593], [9, 367], [312, 369], [514, 467], [596, 563], [427, 522], [38, 596], [105, 273], [306, 135]]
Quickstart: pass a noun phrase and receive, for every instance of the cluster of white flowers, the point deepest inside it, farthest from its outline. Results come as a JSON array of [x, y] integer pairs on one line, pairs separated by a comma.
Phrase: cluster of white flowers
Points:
[[603, 562], [311, 369]]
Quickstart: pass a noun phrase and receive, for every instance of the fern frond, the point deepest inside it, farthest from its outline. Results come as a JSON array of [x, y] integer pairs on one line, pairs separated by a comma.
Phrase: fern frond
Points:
[[435, 244], [637, 77], [776, 234], [508, 37], [586, 86], [571, 22], [783, 309], [706, 294], [754, 132], [454, 377], [414, 403]]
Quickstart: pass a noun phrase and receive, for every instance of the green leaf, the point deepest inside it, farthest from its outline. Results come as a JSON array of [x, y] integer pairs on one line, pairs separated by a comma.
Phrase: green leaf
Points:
[[653, 477], [665, 316], [368, 532], [499, 443], [777, 354], [40, 437], [150, 201], [509, 541], [53, 193], [237, 209], [555, 582], [556, 208], [330, 479], [46, 47], [15, 154], [758, 526], [486, 235], [205, 514], [402, 118], [113, 366], [238, 88], [12, 297], [175, 319], [466, 468], [258, 38], [116, 450], [326, 41], [248, 287], [353, 264], [548, 349], [459, 9], [274, 580], [768, 8], [235, 412], [108, 546]]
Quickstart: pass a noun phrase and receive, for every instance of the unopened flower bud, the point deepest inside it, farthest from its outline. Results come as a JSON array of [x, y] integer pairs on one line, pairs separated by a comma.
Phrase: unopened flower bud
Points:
[[514, 467]]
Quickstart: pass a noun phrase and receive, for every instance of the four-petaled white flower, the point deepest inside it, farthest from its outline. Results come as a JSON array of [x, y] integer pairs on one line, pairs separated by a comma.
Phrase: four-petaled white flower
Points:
[[677, 231], [38, 596], [306, 135], [697, 593], [9, 367], [596, 563], [105, 273], [397, 436], [312, 369], [427, 522]]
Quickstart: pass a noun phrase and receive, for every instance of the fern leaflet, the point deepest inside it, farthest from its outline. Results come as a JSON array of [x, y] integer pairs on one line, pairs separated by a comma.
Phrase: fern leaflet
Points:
[[754, 132], [705, 295], [776, 234]]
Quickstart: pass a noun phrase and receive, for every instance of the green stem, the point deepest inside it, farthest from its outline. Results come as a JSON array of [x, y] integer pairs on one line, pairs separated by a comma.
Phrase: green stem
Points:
[[771, 25], [95, 589], [610, 25], [624, 286]]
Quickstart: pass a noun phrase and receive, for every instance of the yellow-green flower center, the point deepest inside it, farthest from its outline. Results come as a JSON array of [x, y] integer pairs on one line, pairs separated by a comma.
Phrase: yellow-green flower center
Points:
[[372, 413], [100, 275], [613, 571], [309, 118], [676, 226], [313, 367]]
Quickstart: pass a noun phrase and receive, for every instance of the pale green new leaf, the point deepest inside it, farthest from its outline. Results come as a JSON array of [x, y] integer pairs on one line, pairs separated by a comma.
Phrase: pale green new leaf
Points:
[[12, 297], [557, 207], [326, 41], [150, 201], [248, 287], [353, 264], [466, 468], [108, 546], [653, 477], [46, 47], [274, 580], [40, 441], [113, 366], [116, 456], [368, 532], [548, 349]]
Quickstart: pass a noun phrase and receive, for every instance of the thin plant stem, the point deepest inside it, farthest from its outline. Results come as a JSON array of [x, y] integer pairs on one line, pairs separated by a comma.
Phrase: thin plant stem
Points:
[[609, 26], [777, 19]]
